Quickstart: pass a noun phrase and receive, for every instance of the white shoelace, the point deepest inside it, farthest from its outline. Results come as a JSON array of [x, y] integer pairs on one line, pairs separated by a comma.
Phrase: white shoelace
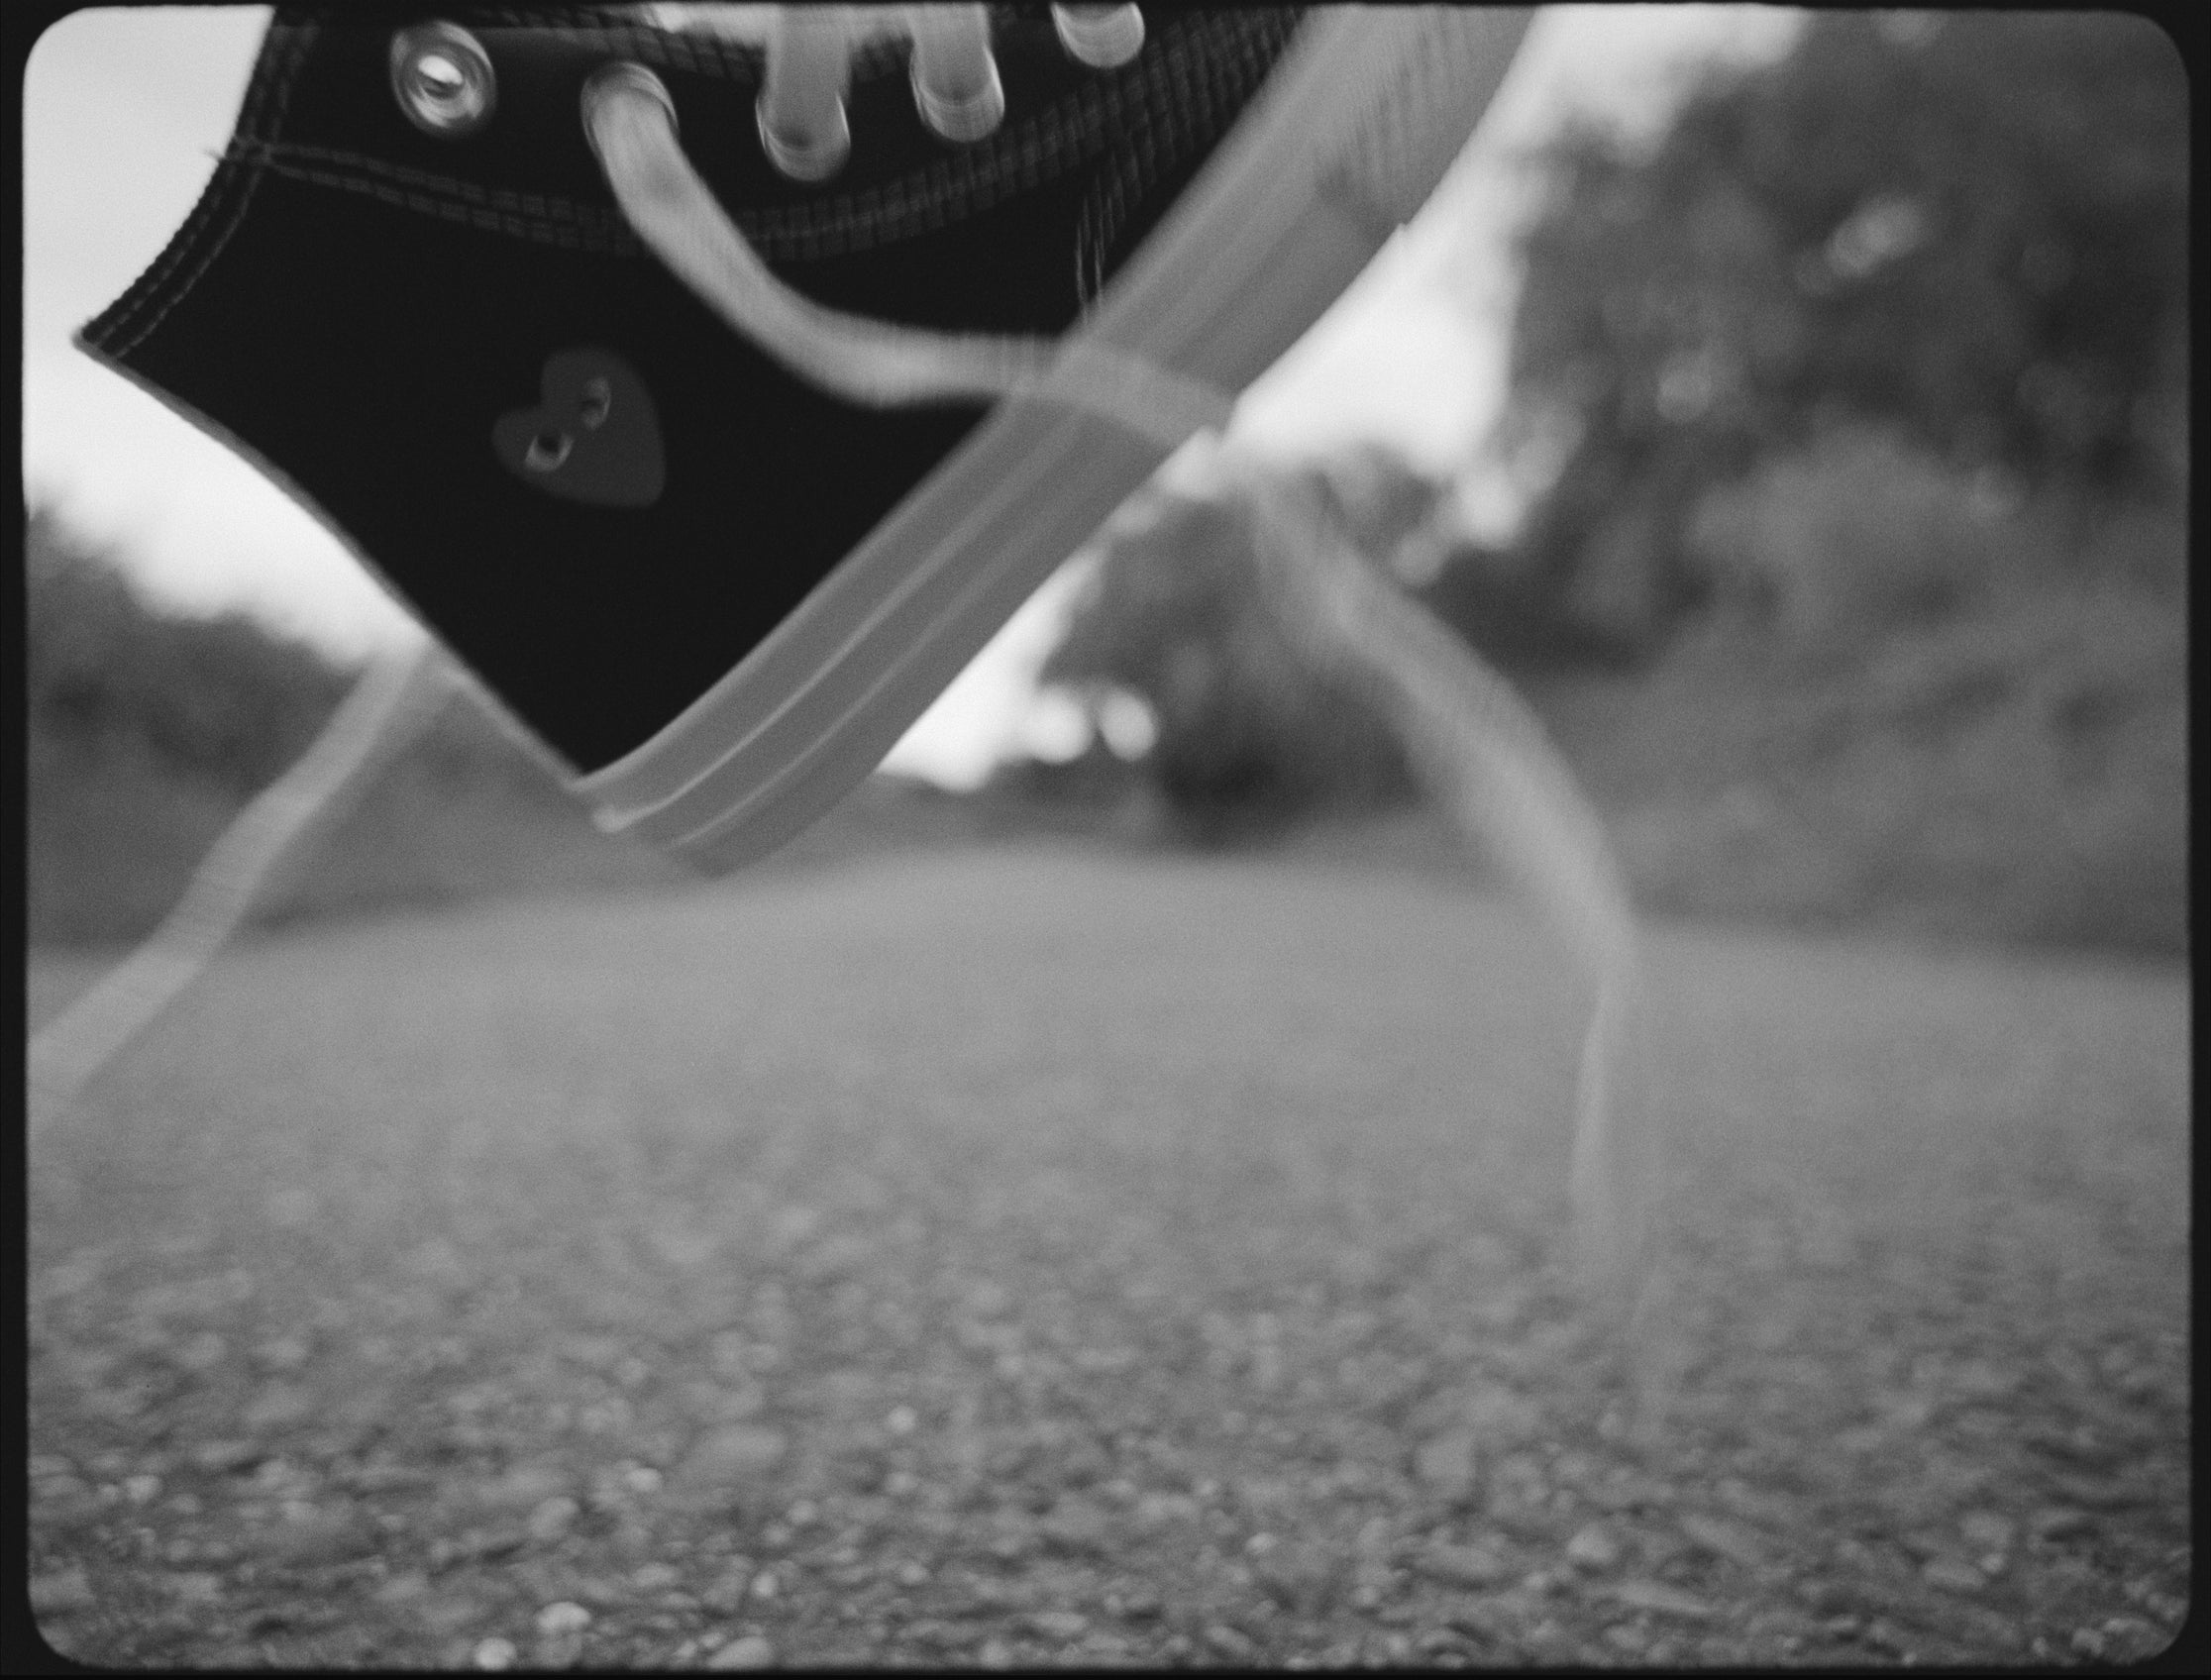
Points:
[[1482, 754], [395, 699]]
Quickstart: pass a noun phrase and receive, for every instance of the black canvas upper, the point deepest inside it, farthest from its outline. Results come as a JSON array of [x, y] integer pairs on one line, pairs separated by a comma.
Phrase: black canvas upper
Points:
[[364, 306]]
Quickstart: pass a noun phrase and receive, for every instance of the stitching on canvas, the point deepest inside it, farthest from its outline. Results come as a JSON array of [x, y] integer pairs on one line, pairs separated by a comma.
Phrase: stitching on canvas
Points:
[[1060, 137], [1156, 143], [566, 235], [284, 79], [116, 327], [420, 188]]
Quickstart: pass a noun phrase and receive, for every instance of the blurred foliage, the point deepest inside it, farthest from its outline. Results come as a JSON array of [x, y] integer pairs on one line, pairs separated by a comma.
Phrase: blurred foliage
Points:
[[147, 731], [1969, 229], [1853, 413], [218, 698], [1249, 734], [223, 701], [2017, 772], [1829, 548]]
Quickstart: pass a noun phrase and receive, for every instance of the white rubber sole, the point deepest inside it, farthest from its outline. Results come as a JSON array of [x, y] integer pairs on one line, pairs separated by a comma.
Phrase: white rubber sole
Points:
[[1367, 111]]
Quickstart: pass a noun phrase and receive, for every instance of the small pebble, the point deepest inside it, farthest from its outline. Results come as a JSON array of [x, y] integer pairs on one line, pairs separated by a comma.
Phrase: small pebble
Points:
[[1464, 1566], [2133, 1636], [1886, 1634], [1447, 1462], [553, 1518], [566, 1616], [219, 1458], [1723, 1537], [902, 1421], [2057, 1522], [60, 1591], [995, 1653], [557, 1650], [655, 1577], [197, 1587], [1953, 1574], [726, 1593], [142, 1490], [411, 1584], [278, 1406], [493, 1653], [61, 1489], [1662, 1599], [752, 1651], [1592, 1549], [1987, 1530], [912, 1574], [1060, 1623], [203, 1352], [1239, 1648], [283, 1353], [739, 1452], [1140, 1604]]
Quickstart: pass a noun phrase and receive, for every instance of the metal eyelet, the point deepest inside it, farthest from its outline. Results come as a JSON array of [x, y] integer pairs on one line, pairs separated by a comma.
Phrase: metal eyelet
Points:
[[546, 450], [442, 77]]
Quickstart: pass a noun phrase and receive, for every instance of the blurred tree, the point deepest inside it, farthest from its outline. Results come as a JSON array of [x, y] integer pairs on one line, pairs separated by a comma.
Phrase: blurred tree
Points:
[[221, 698], [223, 701], [1971, 227], [1381, 497], [1248, 735]]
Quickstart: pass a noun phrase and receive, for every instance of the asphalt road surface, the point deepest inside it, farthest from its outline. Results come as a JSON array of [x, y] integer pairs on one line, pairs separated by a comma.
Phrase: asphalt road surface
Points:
[[1014, 1256]]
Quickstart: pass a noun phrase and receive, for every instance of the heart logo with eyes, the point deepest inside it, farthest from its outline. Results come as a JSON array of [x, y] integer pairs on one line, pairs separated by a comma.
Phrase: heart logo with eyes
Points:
[[593, 438]]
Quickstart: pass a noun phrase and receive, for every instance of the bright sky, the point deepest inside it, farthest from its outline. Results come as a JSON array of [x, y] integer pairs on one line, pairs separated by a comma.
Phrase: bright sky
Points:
[[125, 109]]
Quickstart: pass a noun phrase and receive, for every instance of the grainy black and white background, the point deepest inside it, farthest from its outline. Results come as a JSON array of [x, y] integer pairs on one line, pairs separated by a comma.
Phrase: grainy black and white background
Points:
[[1116, 1214]]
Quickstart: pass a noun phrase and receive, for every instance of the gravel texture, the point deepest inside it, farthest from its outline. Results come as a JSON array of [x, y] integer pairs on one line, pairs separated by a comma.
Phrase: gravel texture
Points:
[[1015, 1258]]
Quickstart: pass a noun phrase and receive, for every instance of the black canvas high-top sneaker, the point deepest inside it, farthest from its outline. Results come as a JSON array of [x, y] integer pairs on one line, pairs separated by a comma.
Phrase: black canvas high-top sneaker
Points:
[[711, 590]]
